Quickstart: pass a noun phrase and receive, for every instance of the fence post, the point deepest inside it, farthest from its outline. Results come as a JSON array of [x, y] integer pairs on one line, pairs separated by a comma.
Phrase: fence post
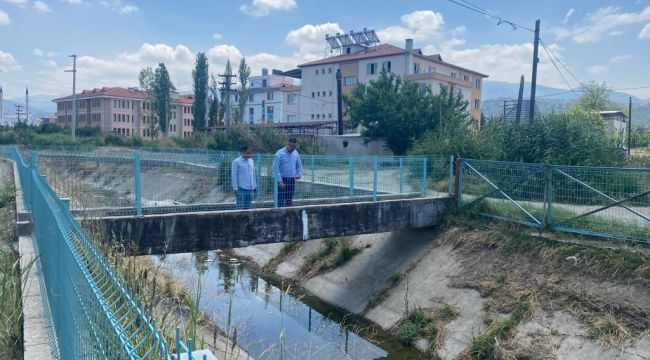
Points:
[[458, 194], [401, 175], [451, 174], [351, 175], [548, 196], [178, 343], [424, 176], [375, 164], [258, 159], [136, 184], [275, 191], [313, 169]]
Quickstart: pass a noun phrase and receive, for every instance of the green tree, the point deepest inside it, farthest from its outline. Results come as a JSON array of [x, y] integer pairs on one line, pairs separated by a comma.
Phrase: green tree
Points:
[[162, 88], [244, 74], [214, 110], [640, 136], [146, 80], [596, 97], [402, 111], [200, 76]]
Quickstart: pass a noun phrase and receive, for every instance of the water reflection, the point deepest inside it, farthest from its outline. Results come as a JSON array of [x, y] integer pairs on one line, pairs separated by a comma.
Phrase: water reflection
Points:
[[271, 324]]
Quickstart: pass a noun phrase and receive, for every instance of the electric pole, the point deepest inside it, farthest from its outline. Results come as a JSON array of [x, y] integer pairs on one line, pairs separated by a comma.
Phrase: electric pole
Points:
[[629, 128], [27, 105], [226, 89], [339, 102], [520, 100], [74, 97], [533, 82], [19, 112]]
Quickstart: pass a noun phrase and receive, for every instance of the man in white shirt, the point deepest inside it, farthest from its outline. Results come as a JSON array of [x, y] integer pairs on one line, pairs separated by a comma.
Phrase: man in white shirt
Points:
[[244, 183]]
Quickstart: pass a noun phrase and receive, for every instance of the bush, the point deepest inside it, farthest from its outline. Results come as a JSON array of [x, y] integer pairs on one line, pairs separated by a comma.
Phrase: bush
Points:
[[87, 131], [49, 128]]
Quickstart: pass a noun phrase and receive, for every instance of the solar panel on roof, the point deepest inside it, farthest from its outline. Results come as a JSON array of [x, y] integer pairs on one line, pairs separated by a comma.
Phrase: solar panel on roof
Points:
[[333, 43]]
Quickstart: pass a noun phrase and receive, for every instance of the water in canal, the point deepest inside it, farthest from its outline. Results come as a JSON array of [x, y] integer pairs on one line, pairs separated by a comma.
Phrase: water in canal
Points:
[[272, 321]]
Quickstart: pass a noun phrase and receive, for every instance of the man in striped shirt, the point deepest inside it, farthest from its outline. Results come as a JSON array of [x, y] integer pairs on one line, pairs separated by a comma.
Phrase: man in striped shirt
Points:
[[244, 183], [287, 168]]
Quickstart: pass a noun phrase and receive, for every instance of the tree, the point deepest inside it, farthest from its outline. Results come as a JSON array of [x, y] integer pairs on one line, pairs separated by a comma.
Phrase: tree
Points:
[[402, 111], [162, 88], [214, 110], [244, 74], [146, 80], [596, 97], [200, 77]]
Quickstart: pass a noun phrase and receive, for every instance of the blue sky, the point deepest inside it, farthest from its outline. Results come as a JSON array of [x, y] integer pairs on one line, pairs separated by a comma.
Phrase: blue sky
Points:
[[597, 40]]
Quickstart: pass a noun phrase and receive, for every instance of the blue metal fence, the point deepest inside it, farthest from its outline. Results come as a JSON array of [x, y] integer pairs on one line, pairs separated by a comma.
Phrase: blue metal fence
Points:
[[605, 202], [92, 311]]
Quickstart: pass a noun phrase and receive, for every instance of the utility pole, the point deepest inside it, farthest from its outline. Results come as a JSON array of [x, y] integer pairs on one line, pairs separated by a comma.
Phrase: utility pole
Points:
[[520, 100], [226, 89], [533, 82], [27, 105], [629, 128], [19, 112], [339, 102], [73, 126]]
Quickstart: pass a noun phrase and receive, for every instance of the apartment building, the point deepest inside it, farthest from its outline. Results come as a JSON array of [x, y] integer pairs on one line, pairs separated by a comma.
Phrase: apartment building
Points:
[[272, 98], [359, 64], [124, 111]]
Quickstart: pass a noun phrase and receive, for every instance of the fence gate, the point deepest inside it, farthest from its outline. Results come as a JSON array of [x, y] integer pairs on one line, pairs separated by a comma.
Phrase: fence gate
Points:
[[609, 202], [503, 190]]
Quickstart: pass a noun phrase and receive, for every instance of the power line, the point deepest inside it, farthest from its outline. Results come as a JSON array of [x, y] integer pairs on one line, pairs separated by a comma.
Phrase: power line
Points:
[[472, 7], [556, 67]]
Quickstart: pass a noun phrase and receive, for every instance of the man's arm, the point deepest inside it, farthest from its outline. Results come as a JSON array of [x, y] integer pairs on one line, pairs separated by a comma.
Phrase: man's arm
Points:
[[233, 175], [298, 166]]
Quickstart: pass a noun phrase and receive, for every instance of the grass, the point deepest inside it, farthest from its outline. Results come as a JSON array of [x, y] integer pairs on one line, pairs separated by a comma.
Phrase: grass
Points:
[[378, 296], [333, 253], [483, 346], [10, 277]]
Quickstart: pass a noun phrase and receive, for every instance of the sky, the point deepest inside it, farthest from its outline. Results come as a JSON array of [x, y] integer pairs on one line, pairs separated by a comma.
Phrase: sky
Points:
[[600, 40]]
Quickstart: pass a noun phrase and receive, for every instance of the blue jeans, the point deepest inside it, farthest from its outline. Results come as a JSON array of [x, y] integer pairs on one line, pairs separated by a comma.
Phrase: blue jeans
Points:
[[285, 196], [244, 198]]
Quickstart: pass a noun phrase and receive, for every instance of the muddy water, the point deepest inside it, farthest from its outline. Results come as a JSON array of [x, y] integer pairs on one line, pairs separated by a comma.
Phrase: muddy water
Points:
[[272, 320]]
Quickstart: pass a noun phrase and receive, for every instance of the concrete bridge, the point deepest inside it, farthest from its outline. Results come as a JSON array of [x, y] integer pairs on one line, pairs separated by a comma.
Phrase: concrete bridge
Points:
[[209, 230]]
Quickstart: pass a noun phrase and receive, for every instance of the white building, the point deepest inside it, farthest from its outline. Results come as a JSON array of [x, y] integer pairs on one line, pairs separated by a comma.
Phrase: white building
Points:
[[360, 64], [272, 98]]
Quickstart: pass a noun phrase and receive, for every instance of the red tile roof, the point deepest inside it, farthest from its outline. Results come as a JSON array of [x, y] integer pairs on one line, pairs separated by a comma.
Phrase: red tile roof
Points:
[[120, 92], [384, 50]]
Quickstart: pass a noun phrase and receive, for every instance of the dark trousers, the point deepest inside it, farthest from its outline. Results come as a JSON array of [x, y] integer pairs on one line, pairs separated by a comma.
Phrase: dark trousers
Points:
[[285, 195]]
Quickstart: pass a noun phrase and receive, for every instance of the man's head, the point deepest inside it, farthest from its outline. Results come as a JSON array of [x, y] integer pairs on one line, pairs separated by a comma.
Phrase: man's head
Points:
[[292, 143], [246, 151]]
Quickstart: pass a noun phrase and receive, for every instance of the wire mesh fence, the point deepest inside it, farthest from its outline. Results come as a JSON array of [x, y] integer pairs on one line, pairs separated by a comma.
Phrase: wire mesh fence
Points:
[[128, 181], [607, 202]]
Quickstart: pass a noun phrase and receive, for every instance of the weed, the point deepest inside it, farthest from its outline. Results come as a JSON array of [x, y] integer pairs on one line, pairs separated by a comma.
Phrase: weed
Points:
[[500, 278], [345, 252], [448, 312]]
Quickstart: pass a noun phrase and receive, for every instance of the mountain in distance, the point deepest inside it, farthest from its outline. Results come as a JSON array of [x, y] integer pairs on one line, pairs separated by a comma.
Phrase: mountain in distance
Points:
[[496, 92]]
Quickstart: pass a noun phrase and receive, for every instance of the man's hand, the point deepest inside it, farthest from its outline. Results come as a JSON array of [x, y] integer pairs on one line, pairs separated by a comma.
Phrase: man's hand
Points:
[[281, 184]]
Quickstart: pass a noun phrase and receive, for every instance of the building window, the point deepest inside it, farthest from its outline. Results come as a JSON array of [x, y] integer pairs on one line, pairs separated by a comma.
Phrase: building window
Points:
[[316, 72], [330, 115], [269, 95], [269, 111], [291, 99], [453, 75], [385, 66], [347, 50], [251, 98], [330, 93], [416, 68], [313, 94], [251, 114], [318, 94], [317, 116], [477, 104], [329, 70], [350, 80], [291, 118], [477, 83], [466, 77], [432, 69], [264, 83], [312, 116], [371, 69]]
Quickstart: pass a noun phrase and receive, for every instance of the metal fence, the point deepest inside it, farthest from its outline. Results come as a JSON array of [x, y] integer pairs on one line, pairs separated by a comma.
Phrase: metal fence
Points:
[[92, 312], [606, 202], [128, 181]]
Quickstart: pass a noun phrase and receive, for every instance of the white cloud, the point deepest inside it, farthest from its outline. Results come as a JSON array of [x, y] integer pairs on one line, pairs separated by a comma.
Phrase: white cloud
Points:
[[74, 2], [41, 7], [311, 38], [8, 62], [128, 9], [419, 25], [604, 21], [50, 64], [619, 58], [217, 36], [598, 70], [259, 8], [459, 31], [4, 18], [38, 52], [221, 53], [568, 15], [645, 32], [120, 7]]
